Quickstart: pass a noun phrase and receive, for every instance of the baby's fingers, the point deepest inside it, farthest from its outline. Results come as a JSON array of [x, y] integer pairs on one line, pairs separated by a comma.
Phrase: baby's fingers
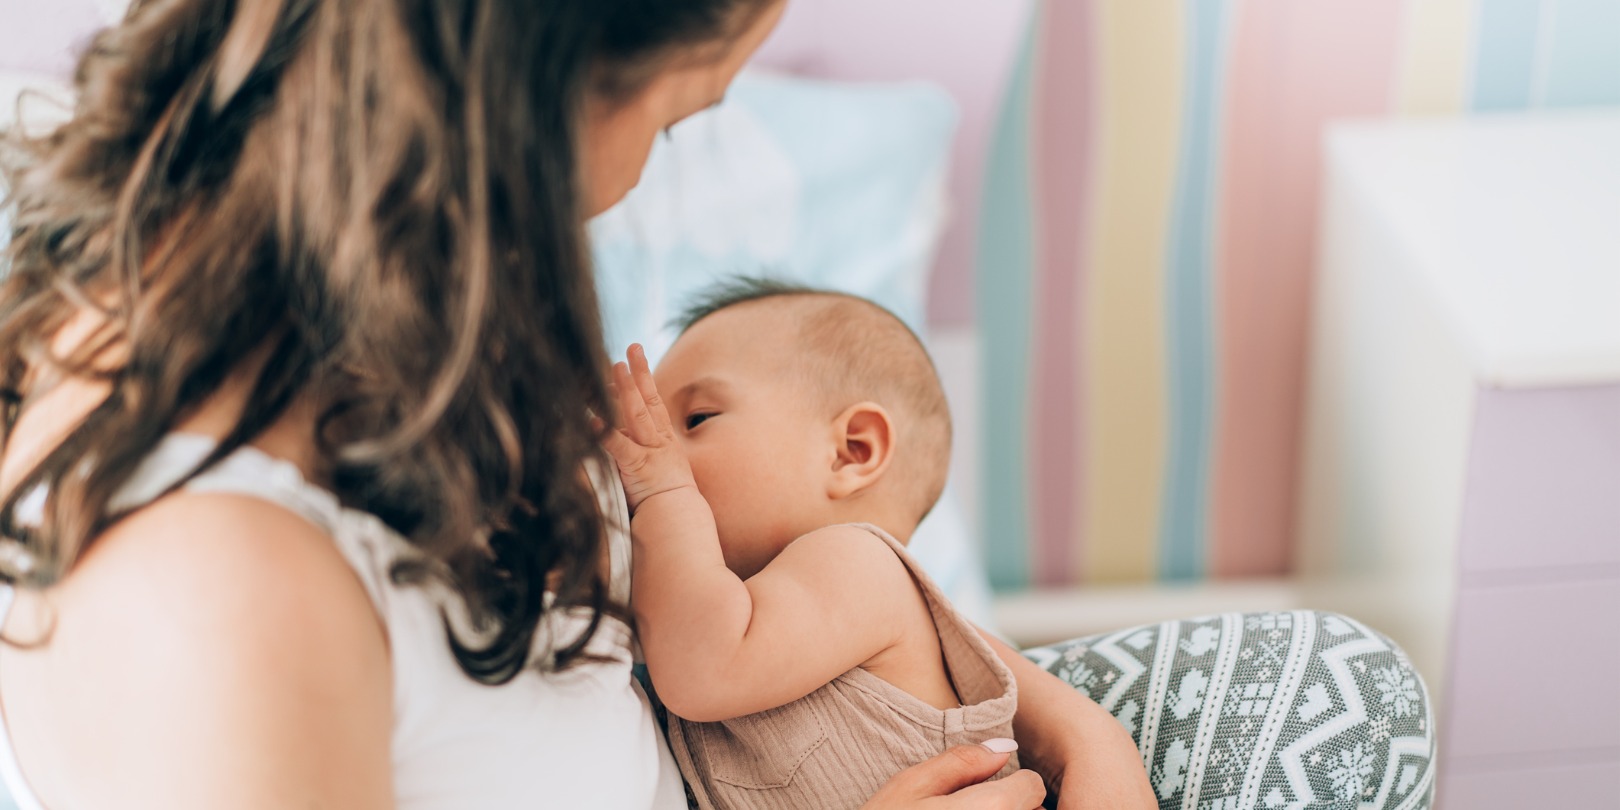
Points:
[[634, 417], [624, 451], [642, 374]]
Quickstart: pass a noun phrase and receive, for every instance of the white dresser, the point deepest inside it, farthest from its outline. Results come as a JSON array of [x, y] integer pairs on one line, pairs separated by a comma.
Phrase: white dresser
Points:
[[1463, 441]]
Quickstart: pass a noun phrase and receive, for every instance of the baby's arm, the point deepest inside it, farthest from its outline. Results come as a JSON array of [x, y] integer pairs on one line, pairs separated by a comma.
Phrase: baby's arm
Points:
[[718, 647]]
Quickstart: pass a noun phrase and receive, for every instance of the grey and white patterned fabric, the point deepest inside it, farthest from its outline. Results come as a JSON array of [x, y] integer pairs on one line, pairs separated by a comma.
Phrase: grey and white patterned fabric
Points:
[[1281, 711]]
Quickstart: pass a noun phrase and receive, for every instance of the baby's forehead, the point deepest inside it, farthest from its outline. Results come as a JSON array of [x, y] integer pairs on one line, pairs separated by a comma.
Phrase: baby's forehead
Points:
[[746, 346], [737, 337]]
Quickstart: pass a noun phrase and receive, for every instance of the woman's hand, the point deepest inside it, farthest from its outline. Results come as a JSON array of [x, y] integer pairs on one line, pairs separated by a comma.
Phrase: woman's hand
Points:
[[650, 458], [954, 780]]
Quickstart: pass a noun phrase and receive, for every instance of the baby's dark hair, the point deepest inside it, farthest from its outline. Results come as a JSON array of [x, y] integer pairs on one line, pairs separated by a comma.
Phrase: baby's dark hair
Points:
[[858, 350], [737, 290]]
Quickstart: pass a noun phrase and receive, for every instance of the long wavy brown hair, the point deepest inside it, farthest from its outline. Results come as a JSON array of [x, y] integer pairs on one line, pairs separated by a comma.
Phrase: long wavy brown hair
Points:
[[369, 205]]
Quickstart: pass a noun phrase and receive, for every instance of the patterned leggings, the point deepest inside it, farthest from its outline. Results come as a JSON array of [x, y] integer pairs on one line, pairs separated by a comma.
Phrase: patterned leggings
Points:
[[1269, 710]]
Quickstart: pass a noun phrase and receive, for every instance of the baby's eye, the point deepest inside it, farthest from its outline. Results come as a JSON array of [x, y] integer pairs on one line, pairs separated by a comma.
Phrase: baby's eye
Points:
[[693, 420]]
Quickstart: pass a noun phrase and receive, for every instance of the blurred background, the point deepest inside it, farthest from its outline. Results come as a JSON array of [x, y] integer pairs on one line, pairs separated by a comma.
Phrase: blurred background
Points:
[[1241, 304]]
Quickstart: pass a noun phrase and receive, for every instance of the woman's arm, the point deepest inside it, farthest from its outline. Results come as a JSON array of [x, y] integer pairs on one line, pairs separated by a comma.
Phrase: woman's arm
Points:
[[1083, 753], [210, 651]]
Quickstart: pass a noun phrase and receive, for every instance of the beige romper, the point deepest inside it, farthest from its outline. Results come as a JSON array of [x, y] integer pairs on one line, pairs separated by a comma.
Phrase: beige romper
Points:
[[834, 747]]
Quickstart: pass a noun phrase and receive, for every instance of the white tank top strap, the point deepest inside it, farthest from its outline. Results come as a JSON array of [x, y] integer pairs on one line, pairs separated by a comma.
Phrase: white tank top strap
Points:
[[368, 544], [246, 471], [365, 542], [616, 516]]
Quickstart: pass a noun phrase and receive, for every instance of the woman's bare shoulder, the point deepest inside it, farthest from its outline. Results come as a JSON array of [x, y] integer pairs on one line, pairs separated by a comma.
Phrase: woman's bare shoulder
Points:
[[212, 553], [224, 642]]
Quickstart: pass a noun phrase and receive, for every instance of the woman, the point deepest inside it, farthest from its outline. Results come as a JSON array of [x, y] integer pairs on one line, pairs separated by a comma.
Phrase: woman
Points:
[[300, 351]]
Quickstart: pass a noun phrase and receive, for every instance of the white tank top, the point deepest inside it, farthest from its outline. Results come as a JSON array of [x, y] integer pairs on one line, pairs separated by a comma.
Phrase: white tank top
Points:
[[583, 738]]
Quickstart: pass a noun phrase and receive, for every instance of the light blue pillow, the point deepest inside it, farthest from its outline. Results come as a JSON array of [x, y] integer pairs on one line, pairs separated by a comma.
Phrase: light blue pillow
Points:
[[834, 185], [830, 184]]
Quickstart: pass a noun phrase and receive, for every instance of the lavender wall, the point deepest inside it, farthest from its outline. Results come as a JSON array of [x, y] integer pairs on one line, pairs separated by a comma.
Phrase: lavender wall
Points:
[[41, 36]]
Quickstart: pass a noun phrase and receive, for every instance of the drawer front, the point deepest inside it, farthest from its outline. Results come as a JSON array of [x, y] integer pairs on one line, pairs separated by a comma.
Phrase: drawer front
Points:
[[1543, 488], [1535, 668], [1518, 788]]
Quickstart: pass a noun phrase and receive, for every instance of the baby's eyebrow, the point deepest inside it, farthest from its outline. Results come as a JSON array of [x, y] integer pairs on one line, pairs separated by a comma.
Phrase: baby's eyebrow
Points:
[[700, 384]]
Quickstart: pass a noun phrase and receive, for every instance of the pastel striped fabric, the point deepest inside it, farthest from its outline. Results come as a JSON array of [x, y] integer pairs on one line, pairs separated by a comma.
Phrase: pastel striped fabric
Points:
[[1148, 235]]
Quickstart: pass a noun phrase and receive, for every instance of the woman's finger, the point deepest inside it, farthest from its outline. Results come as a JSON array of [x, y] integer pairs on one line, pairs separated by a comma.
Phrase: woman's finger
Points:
[[1023, 790], [945, 774], [641, 372]]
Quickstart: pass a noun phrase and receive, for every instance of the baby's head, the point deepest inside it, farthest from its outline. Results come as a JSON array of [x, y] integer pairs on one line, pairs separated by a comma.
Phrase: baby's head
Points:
[[801, 409]]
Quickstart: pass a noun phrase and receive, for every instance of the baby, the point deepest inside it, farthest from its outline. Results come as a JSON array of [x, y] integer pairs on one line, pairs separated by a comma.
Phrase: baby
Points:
[[775, 465]]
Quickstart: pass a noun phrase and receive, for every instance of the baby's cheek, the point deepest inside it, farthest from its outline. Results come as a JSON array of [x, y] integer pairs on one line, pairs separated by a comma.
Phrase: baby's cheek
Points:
[[702, 470]]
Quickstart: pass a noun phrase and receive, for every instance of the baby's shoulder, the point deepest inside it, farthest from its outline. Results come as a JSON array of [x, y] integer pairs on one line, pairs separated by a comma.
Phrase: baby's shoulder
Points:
[[855, 538], [852, 556]]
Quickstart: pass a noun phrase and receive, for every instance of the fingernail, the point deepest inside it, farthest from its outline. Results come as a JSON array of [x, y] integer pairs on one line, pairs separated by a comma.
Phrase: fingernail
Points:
[[1000, 745]]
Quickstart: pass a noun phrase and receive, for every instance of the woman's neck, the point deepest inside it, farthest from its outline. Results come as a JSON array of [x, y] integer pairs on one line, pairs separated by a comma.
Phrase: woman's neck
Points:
[[291, 438]]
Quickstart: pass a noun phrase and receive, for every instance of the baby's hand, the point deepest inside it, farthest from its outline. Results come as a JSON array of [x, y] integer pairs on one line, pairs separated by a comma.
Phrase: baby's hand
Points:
[[649, 456]]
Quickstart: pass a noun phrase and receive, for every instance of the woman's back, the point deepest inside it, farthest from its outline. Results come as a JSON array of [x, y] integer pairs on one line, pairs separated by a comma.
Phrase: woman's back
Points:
[[580, 738]]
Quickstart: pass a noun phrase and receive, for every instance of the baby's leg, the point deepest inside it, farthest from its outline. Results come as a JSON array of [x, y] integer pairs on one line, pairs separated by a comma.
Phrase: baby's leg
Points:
[[1267, 710]]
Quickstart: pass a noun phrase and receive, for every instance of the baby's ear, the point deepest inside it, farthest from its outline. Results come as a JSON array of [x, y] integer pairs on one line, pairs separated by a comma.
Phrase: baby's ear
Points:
[[866, 436]]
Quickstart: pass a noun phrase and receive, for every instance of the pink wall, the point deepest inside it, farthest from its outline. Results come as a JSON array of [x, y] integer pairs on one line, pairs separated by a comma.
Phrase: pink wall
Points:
[[1292, 73]]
